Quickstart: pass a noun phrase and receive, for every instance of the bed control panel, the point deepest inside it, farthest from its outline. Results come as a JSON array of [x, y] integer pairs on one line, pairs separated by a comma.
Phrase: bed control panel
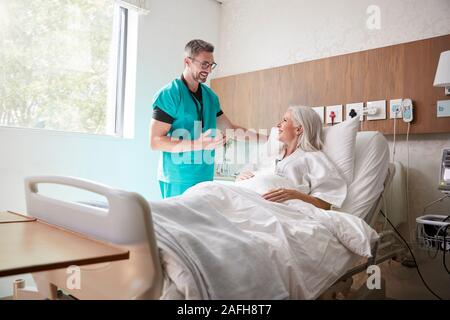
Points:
[[407, 110]]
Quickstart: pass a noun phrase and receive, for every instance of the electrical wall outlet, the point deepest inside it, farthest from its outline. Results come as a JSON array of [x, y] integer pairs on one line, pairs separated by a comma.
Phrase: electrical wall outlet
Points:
[[380, 107], [358, 107], [337, 110], [395, 105], [320, 111], [443, 108]]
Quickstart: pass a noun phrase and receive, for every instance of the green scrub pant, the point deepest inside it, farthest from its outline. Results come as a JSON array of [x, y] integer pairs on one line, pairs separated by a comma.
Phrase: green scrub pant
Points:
[[173, 189]]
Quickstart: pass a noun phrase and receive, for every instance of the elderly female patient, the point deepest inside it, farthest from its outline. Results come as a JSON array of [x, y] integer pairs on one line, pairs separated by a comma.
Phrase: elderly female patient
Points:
[[305, 171]]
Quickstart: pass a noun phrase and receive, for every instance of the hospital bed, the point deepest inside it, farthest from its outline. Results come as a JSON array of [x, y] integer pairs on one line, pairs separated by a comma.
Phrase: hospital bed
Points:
[[127, 222]]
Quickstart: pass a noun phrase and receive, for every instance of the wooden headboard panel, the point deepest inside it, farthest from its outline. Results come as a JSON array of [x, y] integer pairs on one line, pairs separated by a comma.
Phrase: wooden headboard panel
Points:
[[259, 99]]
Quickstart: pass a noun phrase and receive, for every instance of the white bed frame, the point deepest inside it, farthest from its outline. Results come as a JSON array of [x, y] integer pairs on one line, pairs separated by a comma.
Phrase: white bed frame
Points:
[[139, 277], [389, 246]]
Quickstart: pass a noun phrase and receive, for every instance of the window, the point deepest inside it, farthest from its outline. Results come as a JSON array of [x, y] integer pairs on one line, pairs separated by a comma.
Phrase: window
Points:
[[62, 65]]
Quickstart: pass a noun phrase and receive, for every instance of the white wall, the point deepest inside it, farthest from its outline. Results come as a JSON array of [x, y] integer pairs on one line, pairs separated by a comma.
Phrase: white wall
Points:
[[257, 34], [260, 34], [127, 164]]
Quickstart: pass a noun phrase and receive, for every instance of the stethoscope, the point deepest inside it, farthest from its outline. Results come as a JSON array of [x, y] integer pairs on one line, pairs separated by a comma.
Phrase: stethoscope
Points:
[[198, 108]]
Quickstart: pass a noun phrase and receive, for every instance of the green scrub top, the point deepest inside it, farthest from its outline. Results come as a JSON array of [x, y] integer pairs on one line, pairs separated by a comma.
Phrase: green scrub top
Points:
[[177, 101]]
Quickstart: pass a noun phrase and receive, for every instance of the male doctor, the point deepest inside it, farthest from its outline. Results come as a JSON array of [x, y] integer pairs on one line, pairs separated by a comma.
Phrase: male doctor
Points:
[[186, 114]]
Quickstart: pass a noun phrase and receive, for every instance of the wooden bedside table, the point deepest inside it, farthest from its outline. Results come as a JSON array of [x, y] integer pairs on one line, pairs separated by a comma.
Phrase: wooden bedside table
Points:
[[30, 245]]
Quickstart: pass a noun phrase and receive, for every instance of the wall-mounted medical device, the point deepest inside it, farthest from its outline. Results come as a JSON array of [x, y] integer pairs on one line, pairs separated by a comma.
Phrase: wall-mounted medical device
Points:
[[444, 178], [407, 110], [433, 231]]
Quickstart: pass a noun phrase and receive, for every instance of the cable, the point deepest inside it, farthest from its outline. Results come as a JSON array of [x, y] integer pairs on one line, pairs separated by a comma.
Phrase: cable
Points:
[[385, 206], [435, 201], [407, 181], [436, 239], [436, 252], [393, 144], [438, 232], [445, 249], [393, 160], [414, 258], [445, 245]]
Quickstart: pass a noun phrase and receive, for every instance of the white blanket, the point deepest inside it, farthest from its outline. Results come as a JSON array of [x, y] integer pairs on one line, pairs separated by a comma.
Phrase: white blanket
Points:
[[233, 244]]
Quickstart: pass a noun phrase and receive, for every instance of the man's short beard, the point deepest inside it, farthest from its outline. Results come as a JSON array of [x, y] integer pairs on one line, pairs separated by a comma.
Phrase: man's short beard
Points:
[[198, 78]]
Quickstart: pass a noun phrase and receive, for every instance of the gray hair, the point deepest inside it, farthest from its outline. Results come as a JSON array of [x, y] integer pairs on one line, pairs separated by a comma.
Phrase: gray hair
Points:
[[194, 47], [311, 139]]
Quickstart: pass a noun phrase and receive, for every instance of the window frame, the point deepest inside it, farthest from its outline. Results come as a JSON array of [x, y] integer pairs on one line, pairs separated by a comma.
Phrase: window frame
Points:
[[121, 74], [114, 126]]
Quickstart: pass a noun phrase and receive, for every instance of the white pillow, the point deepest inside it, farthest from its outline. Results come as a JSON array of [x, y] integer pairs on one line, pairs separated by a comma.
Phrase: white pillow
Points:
[[262, 183], [371, 166], [339, 146]]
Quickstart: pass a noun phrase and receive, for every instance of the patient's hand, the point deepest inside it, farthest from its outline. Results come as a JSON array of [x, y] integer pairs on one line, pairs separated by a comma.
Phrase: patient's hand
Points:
[[244, 175], [281, 195]]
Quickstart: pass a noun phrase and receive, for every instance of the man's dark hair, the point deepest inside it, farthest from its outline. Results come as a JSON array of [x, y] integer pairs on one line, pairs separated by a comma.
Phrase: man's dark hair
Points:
[[194, 47]]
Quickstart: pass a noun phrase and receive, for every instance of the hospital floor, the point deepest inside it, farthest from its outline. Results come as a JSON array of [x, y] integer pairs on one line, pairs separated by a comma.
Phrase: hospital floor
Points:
[[404, 283]]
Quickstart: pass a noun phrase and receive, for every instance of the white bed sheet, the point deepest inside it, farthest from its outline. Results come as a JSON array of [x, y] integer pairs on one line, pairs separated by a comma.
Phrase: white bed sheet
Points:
[[310, 247]]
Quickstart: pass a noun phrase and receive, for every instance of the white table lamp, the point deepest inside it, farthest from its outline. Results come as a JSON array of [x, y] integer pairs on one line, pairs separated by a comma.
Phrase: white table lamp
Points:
[[442, 78]]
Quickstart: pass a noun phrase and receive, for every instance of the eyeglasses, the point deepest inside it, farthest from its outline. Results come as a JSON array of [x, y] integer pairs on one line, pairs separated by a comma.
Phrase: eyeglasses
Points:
[[205, 65]]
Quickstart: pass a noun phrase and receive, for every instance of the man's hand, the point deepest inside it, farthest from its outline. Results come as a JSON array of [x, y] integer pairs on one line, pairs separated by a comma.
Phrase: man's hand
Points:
[[161, 142], [244, 175], [208, 143], [238, 132]]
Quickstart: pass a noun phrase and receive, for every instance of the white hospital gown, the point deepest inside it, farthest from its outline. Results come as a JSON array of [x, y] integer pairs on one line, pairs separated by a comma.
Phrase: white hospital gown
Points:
[[314, 174]]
